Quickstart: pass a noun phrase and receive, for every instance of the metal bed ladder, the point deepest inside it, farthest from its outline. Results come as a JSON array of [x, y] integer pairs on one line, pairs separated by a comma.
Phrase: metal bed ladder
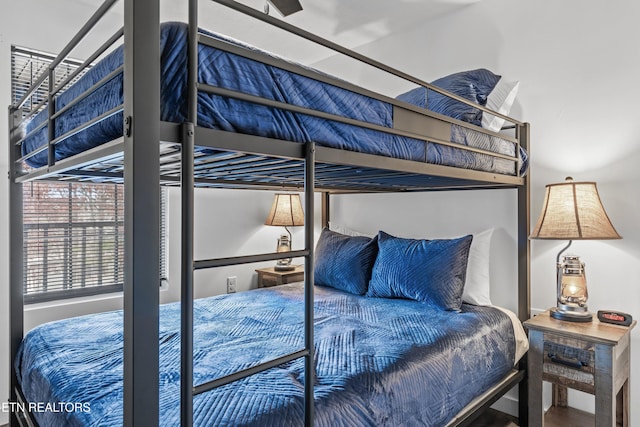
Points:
[[190, 265]]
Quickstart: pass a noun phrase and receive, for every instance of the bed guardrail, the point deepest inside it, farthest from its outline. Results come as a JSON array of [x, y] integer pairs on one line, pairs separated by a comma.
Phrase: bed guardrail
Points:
[[246, 10], [195, 86], [53, 90]]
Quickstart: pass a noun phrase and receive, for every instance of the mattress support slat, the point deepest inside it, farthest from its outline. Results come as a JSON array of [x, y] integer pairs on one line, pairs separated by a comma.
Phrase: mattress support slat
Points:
[[104, 152]]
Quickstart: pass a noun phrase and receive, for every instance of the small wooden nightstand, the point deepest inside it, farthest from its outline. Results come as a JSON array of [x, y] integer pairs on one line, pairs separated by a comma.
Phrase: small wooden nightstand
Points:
[[593, 357], [270, 277]]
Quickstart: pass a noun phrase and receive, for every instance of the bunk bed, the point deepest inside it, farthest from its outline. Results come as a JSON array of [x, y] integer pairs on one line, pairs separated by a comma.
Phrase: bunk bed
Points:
[[202, 140]]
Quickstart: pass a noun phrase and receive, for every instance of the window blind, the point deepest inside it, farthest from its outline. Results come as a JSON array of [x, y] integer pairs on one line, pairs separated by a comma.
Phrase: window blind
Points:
[[74, 239], [73, 236]]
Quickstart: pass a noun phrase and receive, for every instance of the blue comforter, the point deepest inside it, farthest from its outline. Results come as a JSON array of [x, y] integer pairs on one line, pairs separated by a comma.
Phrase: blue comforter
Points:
[[379, 362], [222, 69]]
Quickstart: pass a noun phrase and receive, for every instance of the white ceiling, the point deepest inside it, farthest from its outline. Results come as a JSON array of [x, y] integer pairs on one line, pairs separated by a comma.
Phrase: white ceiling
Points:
[[350, 23], [357, 22]]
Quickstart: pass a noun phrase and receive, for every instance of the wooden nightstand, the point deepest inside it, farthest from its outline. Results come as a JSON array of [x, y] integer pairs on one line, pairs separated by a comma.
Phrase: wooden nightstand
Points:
[[270, 277], [592, 357]]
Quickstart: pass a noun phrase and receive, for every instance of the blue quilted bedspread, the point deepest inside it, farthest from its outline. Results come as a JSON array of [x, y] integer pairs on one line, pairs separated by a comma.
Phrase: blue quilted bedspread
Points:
[[222, 69], [380, 362]]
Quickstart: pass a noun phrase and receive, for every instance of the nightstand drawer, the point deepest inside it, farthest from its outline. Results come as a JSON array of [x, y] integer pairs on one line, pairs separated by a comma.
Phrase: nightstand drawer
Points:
[[569, 362]]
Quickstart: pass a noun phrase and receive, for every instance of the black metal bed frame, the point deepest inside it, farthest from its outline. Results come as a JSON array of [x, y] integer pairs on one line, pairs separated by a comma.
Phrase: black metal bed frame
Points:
[[248, 162]]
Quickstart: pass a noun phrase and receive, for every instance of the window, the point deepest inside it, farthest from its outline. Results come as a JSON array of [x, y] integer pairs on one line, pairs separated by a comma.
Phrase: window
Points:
[[73, 232], [74, 239]]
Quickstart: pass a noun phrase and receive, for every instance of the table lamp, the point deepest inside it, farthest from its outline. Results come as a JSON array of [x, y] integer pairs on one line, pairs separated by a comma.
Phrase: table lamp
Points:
[[286, 211], [572, 211]]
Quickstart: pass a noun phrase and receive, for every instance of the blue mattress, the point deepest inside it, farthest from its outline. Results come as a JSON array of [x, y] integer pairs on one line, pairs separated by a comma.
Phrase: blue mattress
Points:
[[222, 69], [379, 362]]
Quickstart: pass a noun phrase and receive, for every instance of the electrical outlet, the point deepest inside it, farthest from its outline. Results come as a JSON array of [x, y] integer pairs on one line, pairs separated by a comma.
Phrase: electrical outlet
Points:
[[231, 284]]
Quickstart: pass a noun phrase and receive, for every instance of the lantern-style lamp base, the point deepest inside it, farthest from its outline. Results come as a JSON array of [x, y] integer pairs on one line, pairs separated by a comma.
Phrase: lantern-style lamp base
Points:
[[571, 316]]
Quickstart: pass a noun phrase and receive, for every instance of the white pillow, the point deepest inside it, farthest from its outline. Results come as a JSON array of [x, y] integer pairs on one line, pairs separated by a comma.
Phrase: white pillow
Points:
[[477, 285], [500, 100], [338, 228]]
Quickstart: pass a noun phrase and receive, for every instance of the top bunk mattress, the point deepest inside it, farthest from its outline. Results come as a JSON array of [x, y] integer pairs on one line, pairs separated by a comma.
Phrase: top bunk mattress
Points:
[[379, 361], [230, 71]]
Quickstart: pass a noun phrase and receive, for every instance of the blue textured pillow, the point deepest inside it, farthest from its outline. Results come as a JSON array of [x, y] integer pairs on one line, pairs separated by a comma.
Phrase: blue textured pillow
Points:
[[431, 271], [474, 85], [344, 262]]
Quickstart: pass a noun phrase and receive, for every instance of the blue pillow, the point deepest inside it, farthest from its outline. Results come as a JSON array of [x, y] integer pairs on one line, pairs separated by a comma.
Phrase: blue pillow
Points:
[[431, 271], [474, 85], [344, 262]]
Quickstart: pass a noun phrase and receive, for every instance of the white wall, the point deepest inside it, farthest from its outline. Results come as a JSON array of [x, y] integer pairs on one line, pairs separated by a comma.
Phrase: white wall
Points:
[[579, 91], [227, 223]]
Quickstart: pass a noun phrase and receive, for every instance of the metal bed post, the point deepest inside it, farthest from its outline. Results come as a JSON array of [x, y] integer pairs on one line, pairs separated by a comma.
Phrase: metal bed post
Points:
[[186, 295], [142, 211], [16, 274], [309, 365], [187, 198], [524, 247], [51, 127], [524, 269], [325, 209]]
